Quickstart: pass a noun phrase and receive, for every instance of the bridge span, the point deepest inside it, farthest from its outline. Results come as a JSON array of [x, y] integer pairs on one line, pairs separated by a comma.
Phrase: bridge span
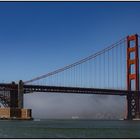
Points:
[[60, 89], [107, 72]]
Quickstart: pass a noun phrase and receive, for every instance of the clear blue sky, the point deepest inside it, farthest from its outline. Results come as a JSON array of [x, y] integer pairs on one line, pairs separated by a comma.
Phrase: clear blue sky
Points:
[[39, 37]]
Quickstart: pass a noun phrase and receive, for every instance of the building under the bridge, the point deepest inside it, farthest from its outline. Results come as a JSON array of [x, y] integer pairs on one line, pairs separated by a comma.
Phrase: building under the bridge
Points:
[[15, 113], [12, 98]]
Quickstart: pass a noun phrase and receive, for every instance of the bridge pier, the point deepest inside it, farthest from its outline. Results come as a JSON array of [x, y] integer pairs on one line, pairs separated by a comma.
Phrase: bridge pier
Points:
[[13, 96], [133, 112], [20, 94]]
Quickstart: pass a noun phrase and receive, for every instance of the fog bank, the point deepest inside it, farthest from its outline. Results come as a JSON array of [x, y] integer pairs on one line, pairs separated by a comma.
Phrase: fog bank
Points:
[[56, 105]]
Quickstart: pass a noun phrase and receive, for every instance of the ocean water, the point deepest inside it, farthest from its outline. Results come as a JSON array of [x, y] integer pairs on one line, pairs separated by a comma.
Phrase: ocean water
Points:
[[70, 129]]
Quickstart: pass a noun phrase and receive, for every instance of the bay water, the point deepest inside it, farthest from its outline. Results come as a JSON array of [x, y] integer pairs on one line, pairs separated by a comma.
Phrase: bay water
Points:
[[69, 128]]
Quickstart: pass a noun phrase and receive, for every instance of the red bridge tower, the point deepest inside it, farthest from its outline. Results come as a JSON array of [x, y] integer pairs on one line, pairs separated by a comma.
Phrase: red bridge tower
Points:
[[133, 100]]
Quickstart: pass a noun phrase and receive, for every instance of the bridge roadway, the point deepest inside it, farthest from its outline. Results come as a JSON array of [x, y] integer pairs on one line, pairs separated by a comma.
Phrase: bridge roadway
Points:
[[58, 89]]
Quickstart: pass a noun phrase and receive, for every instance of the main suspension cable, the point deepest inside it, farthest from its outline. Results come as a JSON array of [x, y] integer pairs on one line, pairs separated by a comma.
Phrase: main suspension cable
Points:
[[78, 62]]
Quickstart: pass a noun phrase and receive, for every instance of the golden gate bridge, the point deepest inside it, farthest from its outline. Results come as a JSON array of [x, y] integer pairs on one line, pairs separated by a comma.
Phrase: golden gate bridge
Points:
[[111, 71]]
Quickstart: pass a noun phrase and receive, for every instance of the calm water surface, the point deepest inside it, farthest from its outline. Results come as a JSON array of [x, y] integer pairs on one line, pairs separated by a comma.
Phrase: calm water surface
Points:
[[70, 129]]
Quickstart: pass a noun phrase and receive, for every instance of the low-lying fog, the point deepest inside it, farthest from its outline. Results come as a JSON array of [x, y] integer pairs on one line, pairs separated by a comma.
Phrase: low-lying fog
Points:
[[56, 105]]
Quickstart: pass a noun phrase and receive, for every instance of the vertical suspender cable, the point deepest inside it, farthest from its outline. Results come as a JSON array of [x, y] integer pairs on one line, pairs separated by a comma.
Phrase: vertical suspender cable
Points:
[[108, 67], [116, 68], [113, 67], [104, 71]]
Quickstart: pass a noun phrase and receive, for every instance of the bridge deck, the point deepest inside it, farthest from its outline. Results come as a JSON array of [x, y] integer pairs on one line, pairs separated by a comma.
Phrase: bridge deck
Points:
[[77, 90], [58, 89]]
